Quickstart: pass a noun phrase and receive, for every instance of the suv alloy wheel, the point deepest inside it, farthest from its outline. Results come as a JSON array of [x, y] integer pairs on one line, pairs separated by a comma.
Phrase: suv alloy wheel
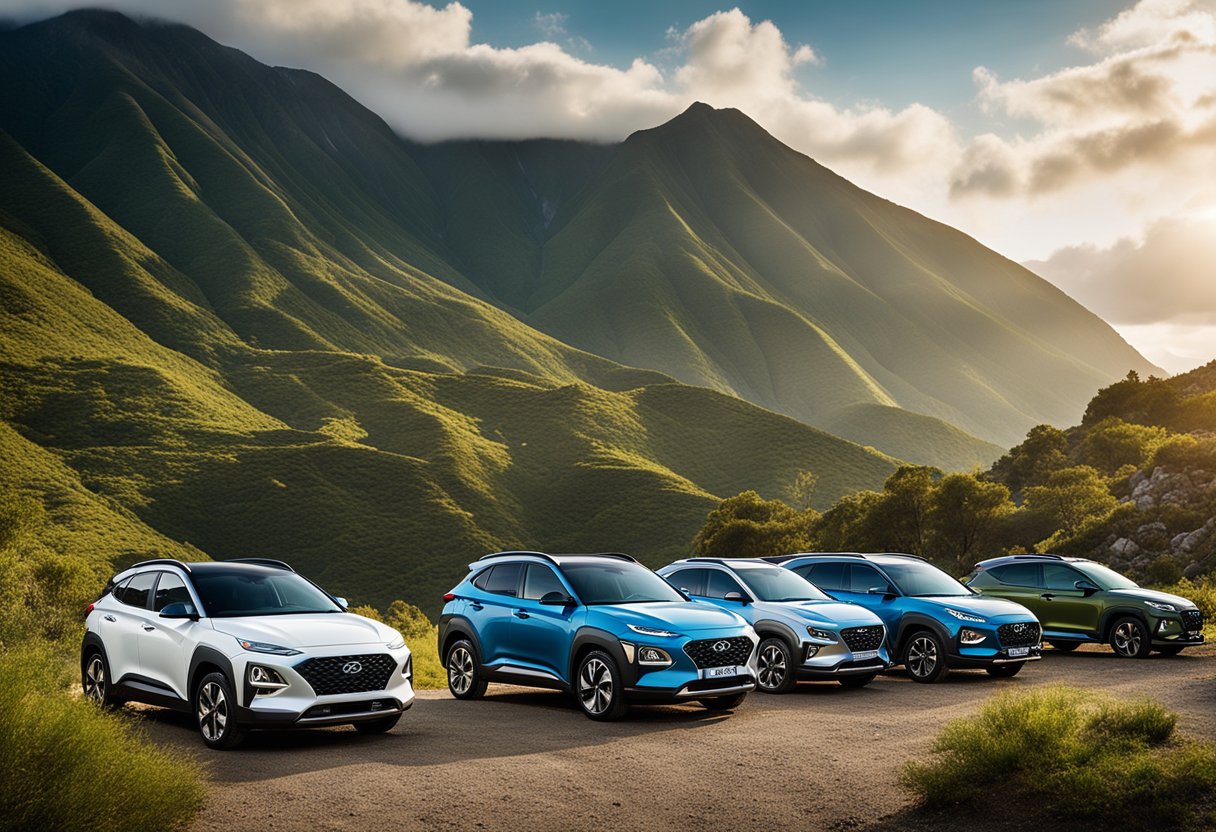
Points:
[[96, 682], [1130, 639], [775, 662], [925, 658], [215, 710], [464, 678], [598, 687]]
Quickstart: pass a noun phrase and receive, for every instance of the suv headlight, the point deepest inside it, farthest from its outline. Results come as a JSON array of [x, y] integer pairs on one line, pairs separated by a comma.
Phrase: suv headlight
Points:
[[966, 616], [1163, 607], [653, 656], [263, 647], [397, 643], [653, 631], [826, 635]]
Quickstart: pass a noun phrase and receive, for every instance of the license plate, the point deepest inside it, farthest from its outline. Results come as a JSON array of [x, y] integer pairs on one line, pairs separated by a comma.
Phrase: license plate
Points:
[[1018, 652], [865, 654], [721, 672]]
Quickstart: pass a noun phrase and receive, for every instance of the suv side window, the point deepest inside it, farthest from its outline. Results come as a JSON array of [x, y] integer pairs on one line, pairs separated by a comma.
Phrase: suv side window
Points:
[[690, 580], [862, 577], [1018, 574], [1058, 576], [540, 581], [824, 575], [134, 593], [170, 590], [504, 579], [718, 584]]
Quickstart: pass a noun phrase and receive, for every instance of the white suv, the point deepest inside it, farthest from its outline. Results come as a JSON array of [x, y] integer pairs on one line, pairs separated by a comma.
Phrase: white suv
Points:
[[242, 644]]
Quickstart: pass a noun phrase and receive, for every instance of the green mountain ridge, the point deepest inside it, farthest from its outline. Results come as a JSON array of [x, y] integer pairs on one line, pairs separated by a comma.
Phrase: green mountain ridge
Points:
[[225, 331]]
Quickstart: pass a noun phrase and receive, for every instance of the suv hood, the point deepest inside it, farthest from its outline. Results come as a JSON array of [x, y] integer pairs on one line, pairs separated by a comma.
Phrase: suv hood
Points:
[[331, 629], [821, 612], [986, 606], [1153, 595], [686, 617]]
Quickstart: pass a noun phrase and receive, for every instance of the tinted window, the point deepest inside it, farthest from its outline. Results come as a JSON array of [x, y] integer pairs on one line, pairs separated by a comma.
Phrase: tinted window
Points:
[[1018, 574], [718, 584], [826, 575], [135, 591], [690, 580], [1057, 576], [504, 579], [918, 578], [482, 577], [170, 590], [1105, 577], [862, 577], [772, 583], [617, 582], [540, 581], [226, 594]]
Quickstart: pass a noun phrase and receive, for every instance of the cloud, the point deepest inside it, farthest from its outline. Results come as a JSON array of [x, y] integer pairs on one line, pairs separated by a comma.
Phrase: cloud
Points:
[[1167, 276]]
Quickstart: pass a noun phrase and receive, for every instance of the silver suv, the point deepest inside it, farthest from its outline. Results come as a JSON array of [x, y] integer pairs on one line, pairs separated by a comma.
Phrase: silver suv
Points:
[[804, 634]]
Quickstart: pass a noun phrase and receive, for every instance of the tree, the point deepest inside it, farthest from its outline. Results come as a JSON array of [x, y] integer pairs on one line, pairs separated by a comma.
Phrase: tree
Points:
[[965, 517], [846, 526], [747, 525], [1070, 500], [897, 521], [1113, 443], [1044, 450], [802, 489]]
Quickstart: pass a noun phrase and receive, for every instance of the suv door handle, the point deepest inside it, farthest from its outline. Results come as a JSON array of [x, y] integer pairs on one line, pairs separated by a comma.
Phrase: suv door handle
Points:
[[520, 613], [148, 627], [109, 618], [476, 605], [1047, 596]]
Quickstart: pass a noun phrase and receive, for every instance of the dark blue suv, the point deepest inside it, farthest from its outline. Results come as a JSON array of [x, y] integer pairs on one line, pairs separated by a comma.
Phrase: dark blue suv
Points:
[[933, 621], [603, 627]]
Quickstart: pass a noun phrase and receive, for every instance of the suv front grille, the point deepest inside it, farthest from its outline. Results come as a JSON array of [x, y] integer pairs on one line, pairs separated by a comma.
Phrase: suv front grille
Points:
[[1020, 634], [1192, 620], [863, 638], [337, 674], [709, 652]]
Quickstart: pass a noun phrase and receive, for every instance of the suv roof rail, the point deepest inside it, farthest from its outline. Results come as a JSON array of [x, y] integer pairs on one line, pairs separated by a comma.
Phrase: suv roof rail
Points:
[[515, 553], [849, 555], [162, 562], [778, 558], [553, 558], [271, 562], [1029, 556]]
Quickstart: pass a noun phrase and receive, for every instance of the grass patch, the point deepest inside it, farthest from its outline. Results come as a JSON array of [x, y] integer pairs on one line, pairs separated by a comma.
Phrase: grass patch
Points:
[[67, 765], [1077, 755]]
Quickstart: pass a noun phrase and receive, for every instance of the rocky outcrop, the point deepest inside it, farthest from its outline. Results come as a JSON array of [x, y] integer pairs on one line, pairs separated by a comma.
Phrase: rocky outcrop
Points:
[[1163, 499]]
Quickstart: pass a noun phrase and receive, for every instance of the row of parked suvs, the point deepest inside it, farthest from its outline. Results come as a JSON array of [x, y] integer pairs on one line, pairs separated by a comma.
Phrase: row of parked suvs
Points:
[[250, 644]]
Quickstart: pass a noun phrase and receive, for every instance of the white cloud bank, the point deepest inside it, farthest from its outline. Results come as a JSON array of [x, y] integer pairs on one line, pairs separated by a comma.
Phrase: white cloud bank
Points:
[[1097, 152]]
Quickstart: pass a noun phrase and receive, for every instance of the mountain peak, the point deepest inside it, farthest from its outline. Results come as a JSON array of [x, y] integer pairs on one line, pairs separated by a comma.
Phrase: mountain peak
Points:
[[700, 117]]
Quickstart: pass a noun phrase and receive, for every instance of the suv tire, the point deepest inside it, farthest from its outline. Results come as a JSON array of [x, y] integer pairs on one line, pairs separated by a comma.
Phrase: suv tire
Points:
[[377, 726], [856, 681], [925, 657], [1169, 651], [215, 712], [1129, 638], [464, 672], [1065, 646], [599, 688], [724, 703], [1005, 671], [775, 660], [95, 681]]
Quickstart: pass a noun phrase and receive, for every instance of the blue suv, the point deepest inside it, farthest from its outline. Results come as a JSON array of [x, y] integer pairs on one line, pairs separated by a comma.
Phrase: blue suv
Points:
[[603, 627], [804, 634], [933, 622]]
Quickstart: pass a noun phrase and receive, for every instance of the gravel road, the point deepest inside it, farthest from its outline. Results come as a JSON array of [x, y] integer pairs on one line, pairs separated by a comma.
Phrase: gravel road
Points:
[[820, 758]]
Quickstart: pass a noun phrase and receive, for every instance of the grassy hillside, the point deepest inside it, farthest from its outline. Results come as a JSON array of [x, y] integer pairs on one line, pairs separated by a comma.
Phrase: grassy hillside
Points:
[[913, 437]]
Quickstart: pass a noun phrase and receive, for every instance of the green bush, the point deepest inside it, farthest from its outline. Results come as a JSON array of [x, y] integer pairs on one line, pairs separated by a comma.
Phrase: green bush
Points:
[[67, 765], [1077, 755]]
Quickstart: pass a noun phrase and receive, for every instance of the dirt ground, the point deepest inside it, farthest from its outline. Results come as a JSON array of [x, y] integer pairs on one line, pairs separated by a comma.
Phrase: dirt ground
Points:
[[821, 758]]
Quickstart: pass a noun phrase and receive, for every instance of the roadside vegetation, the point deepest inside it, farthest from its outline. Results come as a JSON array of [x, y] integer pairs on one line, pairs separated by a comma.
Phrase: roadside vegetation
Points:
[[421, 636], [1075, 755]]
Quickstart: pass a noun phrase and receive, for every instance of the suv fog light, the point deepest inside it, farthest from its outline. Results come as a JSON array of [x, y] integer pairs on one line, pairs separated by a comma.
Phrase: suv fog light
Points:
[[967, 636], [265, 679], [811, 650], [653, 656]]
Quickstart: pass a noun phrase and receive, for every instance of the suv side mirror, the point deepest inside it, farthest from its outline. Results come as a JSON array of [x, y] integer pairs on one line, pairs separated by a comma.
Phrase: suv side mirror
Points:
[[880, 590], [1088, 587], [735, 596], [180, 610], [556, 599], [342, 602]]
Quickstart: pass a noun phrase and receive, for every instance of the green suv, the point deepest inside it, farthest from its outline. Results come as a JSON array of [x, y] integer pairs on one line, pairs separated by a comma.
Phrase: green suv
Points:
[[1080, 601]]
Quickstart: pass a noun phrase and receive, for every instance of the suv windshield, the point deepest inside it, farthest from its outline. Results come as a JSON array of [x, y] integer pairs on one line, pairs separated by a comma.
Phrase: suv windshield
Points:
[[617, 582], [772, 583], [227, 594], [923, 579], [1104, 576]]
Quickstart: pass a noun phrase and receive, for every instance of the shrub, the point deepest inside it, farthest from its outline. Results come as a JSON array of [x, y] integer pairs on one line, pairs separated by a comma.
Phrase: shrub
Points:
[[1075, 754], [68, 765]]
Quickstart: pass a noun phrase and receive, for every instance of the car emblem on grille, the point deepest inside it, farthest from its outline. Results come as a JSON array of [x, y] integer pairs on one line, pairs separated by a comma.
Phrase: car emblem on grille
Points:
[[721, 646], [352, 667]]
